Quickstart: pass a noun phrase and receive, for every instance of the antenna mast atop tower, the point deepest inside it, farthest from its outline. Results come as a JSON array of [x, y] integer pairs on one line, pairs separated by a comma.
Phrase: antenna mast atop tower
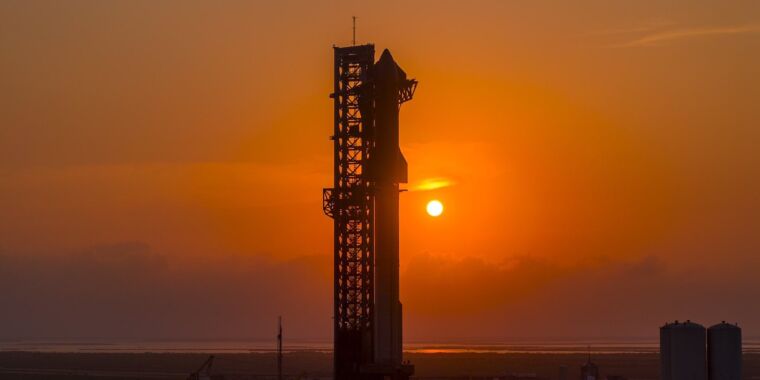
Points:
[[353, 40]]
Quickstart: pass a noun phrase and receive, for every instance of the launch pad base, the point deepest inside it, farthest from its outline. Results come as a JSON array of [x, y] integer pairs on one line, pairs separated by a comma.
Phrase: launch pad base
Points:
[[379, 371]]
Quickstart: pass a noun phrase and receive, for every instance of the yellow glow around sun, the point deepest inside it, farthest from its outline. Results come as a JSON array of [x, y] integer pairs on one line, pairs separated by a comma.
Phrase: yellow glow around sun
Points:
[[434, 207]]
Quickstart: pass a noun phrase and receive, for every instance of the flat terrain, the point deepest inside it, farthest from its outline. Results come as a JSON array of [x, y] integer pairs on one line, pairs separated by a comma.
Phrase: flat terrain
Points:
[[132, 366]]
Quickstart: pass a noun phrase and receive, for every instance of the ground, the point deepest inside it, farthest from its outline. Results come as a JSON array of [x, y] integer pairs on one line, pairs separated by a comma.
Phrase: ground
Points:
[[132, 366]]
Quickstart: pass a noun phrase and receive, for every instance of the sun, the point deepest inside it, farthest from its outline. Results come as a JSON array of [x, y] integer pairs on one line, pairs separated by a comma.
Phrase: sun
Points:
[[434, 208]]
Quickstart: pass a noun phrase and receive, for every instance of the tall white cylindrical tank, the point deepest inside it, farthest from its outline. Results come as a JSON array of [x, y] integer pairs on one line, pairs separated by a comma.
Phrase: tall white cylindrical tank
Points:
[[682, 352], [724, 352]]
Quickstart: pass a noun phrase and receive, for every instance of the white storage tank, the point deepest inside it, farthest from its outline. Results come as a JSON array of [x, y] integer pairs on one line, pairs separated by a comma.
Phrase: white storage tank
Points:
[[724, 352]]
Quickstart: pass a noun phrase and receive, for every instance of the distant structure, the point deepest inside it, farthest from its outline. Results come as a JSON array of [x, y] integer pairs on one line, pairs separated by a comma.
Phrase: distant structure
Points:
[[204, 372], [724, 352], [682, 351], [279, 348], [363, 202], [589, 371]]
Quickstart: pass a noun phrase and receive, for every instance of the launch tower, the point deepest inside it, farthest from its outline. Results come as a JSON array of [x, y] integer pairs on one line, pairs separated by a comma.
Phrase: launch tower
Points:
[[363, 202]]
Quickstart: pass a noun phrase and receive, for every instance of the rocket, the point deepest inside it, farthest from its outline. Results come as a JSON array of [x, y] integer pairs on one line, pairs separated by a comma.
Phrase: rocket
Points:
[[387, 169]]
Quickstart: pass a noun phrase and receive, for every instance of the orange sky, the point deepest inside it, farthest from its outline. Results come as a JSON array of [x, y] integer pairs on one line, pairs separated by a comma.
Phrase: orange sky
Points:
[[601, 159]]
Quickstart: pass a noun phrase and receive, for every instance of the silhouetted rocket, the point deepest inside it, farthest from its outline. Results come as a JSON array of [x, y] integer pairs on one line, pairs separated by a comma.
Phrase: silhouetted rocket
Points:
[[388, 169]]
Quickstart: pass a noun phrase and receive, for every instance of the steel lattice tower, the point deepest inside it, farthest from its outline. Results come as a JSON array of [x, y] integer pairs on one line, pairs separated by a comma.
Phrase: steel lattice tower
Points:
[[351, 206]]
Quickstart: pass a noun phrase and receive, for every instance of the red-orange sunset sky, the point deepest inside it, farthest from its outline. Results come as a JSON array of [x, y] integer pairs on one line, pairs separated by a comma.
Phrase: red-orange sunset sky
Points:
[[161, 166]]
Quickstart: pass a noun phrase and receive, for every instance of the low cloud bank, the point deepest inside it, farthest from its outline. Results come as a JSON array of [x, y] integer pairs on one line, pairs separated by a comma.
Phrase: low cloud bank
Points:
[[126, 290]]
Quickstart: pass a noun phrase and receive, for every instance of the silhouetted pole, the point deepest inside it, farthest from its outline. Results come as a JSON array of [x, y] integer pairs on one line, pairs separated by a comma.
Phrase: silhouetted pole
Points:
[[279, 348]]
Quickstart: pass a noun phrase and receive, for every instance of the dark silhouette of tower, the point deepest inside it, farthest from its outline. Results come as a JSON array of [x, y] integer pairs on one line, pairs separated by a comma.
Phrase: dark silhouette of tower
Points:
[[368, 168], [589, 370]]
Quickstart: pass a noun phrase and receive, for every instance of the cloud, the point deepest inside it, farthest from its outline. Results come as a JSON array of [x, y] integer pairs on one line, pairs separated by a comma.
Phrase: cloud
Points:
[[650, 26], [127, 290], [663, 37], [432, 184], [527, 298]]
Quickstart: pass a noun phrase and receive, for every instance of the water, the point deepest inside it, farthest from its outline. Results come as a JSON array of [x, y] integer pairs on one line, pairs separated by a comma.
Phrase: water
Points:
[[207, 346]]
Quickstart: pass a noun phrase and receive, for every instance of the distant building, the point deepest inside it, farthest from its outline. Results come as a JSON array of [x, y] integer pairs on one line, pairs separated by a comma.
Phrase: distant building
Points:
[[589, 371], [682, 351], [724, 352]]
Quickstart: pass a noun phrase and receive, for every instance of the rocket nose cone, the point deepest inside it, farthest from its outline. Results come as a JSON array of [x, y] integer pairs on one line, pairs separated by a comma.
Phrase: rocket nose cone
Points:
[[386, 60]]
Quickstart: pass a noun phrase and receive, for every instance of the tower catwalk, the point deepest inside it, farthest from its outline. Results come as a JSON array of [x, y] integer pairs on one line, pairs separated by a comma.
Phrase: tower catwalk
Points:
[[368, 168]]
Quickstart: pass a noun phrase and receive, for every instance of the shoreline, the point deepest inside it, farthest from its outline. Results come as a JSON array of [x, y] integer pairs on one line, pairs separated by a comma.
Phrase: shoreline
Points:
[[26, 365]]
